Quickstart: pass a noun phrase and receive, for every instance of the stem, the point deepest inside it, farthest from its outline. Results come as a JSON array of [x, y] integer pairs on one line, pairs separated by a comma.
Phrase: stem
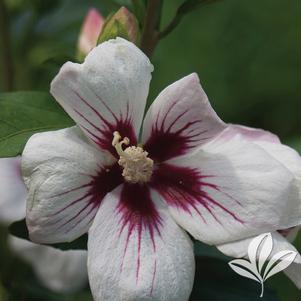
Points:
[[262, 289], [171, 26], [6, 58], [181, 12], [150, 33]]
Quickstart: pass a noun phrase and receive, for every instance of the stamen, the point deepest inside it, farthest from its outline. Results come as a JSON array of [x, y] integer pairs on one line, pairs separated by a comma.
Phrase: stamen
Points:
[[137, 167]]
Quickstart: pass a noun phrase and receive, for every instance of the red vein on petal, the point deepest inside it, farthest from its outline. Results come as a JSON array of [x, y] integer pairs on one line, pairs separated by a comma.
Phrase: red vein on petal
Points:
[[88, 121], [184, 188], [91, 107], [74, 216], [177, 119], [103, 134], [105, 105], [164, 143], [105, 180], [139, 215], [70, 190]]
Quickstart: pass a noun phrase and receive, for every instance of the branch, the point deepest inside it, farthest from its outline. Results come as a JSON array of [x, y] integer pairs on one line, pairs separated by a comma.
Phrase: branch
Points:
[[185, 8], [149, 37]]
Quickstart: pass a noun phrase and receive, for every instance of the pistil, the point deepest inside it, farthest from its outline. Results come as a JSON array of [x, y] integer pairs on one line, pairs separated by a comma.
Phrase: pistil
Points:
[[137, 167]]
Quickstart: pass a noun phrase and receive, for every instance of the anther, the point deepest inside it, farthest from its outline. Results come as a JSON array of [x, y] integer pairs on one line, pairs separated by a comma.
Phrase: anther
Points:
[[137, 167]]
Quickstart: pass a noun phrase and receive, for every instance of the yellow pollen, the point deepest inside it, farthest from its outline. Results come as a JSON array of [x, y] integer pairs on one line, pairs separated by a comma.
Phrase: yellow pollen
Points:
[[137, 167]]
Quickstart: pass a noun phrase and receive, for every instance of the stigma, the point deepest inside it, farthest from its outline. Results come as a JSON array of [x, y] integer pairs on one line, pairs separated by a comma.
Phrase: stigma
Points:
[[137, 167]]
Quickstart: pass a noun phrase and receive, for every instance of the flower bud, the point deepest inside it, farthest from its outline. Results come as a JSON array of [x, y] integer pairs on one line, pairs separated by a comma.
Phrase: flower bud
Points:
[[122, 24], [90, 31]]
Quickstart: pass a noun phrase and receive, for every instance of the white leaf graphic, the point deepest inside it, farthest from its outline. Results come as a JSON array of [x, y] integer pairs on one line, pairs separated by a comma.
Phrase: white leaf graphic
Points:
[[259, 251], [266, 250], [245, 269], [285, 258], [254, 247]]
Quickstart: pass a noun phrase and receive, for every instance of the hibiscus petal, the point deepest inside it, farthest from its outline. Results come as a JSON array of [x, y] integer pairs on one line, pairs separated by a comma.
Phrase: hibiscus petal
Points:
[[136, 251], [60, 271], [227, 191], [239, 249], [285, 155], [12, 191], [269, 142], [248, 133], [272, 145], [67, 179], [179, 120], [107, 92]]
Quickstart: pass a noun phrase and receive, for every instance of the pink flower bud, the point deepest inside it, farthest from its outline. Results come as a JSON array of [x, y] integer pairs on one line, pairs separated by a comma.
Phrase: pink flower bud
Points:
[[129, 21], [121, 24], [90, 31]]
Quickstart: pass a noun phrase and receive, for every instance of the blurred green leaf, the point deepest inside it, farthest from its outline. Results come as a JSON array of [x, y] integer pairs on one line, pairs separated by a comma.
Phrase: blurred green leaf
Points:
[[19, 229], [139, 9], [3, 295], [24, 113], [122, 2]]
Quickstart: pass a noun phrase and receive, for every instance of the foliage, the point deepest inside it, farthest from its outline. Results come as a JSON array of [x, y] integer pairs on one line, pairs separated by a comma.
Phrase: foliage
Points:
[[24, 113]]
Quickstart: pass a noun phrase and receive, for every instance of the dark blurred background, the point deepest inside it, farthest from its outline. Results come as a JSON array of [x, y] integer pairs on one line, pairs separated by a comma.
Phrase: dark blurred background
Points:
[[246, 52]]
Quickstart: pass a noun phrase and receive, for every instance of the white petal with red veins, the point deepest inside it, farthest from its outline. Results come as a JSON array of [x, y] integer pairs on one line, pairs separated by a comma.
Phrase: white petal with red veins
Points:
[[239, 249], [227, 191], [12, 191], [179, 120], [136, 251], [107, 92], [62, 171], [60, 271]]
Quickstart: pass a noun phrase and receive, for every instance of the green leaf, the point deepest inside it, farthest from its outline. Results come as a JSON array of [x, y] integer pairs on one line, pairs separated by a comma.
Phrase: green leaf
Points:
[[19, 229], [24, 113]]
